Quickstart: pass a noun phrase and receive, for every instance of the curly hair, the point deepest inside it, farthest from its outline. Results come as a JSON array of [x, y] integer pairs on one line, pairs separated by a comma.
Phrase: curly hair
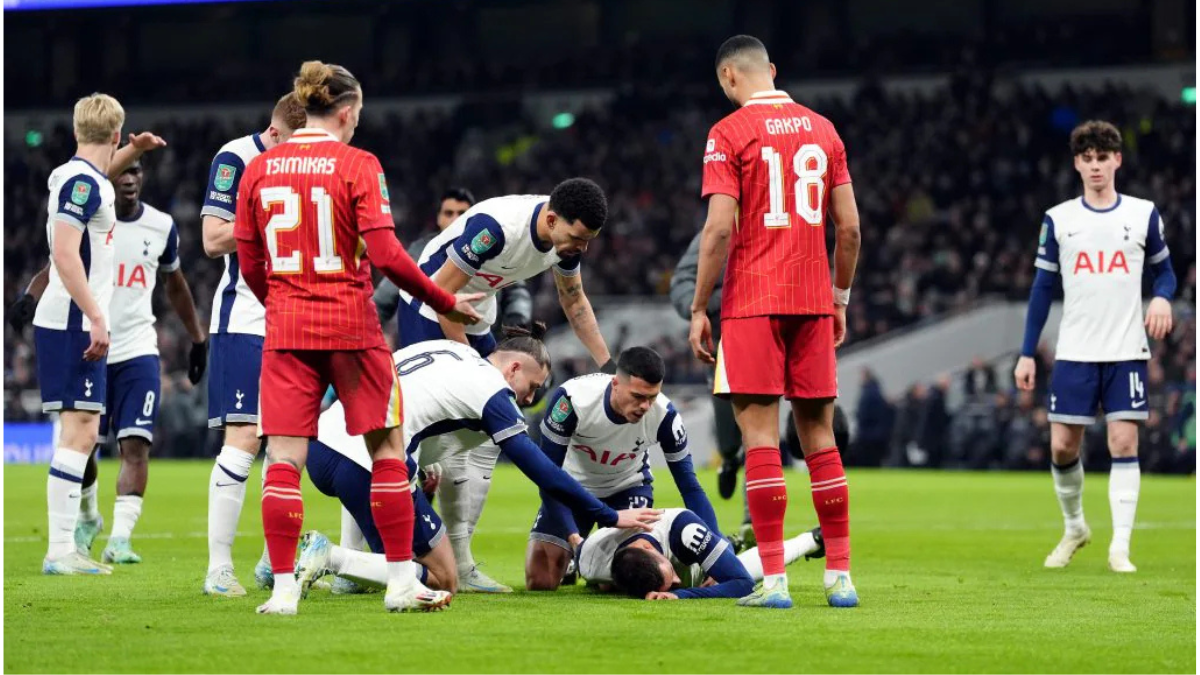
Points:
[[580, 199], [636, 572], [323, 87], [1096, 135]]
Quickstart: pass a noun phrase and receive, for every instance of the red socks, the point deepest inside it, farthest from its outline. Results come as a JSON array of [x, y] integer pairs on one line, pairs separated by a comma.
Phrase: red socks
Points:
[[766, 494], [831, 498], [392, 508], [282, 516]]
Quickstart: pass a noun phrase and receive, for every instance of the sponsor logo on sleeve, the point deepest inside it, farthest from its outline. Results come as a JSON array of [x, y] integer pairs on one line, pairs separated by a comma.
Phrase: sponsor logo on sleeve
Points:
[[383, 191], [711, 154], [695, 537], [224, 178], [561, 411], [482, 242], [678, 431], [80, 192]]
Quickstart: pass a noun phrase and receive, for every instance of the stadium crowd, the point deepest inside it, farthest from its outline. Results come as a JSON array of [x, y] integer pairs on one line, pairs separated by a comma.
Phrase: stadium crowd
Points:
[[951, 188]]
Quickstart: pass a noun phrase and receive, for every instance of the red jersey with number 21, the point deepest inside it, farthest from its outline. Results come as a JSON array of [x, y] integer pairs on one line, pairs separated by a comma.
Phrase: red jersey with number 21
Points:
[[309, 200], [780, 161]]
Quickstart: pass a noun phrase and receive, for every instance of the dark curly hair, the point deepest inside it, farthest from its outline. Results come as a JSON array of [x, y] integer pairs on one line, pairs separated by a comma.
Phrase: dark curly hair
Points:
[[526, 341], [635, 572], [643, 363], [1096, 135], [580, 199]]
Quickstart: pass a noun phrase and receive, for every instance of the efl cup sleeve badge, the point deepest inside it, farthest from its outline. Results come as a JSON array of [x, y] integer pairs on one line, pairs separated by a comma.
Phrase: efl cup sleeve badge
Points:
[[80, 192], [383, 191], [224, 179], [561, 410], [482, 242], [1044, 235]]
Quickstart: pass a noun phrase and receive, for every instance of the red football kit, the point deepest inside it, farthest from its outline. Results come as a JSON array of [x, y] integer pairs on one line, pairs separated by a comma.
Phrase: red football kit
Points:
[[780, 161], [307, 211]]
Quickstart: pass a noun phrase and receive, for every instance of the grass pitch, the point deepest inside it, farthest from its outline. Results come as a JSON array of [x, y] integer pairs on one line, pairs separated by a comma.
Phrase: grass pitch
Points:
[[948, 566]]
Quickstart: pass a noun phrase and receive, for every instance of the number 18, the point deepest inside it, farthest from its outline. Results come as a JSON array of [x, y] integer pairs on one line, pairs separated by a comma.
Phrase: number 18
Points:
[[809, 185]]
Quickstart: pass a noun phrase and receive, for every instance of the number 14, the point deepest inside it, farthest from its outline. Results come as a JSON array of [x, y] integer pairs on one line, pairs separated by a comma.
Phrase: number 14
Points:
[[809, 185]]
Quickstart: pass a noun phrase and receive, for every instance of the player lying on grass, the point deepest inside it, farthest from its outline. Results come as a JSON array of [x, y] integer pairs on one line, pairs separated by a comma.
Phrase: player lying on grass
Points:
[[680, 558], [455, 401], [600, 428]]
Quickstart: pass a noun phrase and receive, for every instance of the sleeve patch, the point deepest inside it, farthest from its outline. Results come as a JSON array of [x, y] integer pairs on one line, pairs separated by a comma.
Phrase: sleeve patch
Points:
[[223, 181], [80, 192]]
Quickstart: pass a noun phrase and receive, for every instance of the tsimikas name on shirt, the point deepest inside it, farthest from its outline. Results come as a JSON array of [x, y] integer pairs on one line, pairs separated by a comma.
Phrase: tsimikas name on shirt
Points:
[[309, 165]]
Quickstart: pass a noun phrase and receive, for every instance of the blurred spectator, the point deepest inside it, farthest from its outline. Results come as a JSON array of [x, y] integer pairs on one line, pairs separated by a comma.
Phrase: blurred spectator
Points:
[[873, 418]]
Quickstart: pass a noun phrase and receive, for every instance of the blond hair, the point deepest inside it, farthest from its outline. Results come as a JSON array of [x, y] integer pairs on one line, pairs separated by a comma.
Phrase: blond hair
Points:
[[97, 118], [321, 88], [289, 111]]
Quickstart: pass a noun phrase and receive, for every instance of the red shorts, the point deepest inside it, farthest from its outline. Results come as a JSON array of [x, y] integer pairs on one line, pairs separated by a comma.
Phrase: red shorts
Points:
[[294, 382], [788, 356]]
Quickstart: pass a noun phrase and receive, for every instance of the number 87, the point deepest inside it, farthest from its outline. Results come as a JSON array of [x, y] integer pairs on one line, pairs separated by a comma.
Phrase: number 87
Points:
[[810, 184]]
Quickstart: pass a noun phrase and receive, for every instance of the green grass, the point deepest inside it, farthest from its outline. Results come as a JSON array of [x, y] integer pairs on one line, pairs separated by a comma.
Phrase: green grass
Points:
[[948, 566]]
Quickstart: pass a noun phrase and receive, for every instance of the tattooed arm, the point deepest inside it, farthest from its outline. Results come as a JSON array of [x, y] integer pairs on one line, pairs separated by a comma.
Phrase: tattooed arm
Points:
[[579, 312]]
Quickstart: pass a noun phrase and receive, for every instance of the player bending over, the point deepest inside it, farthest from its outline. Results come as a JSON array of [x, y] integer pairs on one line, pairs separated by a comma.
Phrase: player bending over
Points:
[[781, 166], [455, 400], [305, 209], [680, 558], [235, 351], [1099, 245], [600, 428], [492, 246]]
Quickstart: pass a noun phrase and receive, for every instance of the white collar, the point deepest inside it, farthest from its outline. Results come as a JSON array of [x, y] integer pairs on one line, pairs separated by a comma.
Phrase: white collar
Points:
[[769, 98], [311, 135]]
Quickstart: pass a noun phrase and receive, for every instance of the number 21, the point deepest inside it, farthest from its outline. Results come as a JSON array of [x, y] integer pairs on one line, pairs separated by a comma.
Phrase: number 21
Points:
[[288, 219], [808, 187]]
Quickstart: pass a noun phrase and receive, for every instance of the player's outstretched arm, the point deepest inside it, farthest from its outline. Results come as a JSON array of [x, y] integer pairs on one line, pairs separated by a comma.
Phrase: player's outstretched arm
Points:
[[579, 313], [672, 438], [844, 210], [452, 280], [732, 580], [386, 254], [21, 312], [714, 248], [139, 144], [179, 294], [683, 280]]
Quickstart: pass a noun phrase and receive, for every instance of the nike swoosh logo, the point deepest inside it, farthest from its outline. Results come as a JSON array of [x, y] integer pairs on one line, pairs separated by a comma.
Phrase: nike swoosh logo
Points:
[[460, 481], [141, 422], [1138, 404], [506, 267], [219, 484]]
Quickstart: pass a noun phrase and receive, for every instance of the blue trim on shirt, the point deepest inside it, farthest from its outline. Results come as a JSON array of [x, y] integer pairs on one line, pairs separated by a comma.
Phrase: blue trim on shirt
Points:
[[94, 167], [74, 313], [228, 294], [533, 235], [442, 427], [141, 209], [608, 409], [257, 138], [1089, 207]]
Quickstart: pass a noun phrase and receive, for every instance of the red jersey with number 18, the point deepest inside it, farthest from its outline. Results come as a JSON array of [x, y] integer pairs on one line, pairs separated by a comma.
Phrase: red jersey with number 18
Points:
[[309, 200], [779, 160]]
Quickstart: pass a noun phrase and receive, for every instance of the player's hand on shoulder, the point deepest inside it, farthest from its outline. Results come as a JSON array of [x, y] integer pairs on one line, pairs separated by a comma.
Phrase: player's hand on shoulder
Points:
[[700, 337], [1023, 374], [147, 141], [640, 519], [1158, 318], [464, 309], [839, 325], [661, 595]]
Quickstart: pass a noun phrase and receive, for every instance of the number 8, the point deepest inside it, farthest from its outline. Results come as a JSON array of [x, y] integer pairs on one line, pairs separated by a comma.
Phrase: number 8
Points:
[[148, 408]]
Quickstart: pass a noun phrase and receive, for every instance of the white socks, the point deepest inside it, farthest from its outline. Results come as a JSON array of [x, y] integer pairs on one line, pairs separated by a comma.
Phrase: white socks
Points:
[[1124, 481], [454, 494], [793, 550], [481, 462], [352, 537], [401, 574], [89, 505], [226, 493], [126, 512], [63, 494], [1068, 485]]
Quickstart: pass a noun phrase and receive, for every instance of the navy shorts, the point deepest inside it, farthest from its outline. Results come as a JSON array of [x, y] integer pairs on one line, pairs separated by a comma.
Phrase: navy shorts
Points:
[[1077, 389], [67, 381], [336, 475], [551, 529], [414, 328], [234, 366], [134, 387]]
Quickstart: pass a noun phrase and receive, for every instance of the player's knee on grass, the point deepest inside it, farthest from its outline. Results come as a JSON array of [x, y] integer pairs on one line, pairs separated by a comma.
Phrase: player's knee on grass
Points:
[[440, 564], [1122, 438], [1065, 442], [545, 566], [244, 437]]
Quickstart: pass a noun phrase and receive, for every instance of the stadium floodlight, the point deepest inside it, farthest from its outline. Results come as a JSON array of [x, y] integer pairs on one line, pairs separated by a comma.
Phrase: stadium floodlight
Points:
[[563, 120], [33, 138], [1188, 96]]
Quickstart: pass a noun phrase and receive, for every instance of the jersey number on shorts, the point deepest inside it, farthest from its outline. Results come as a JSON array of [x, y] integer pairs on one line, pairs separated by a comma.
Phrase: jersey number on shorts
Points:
[[289, 219], [809, 164]]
